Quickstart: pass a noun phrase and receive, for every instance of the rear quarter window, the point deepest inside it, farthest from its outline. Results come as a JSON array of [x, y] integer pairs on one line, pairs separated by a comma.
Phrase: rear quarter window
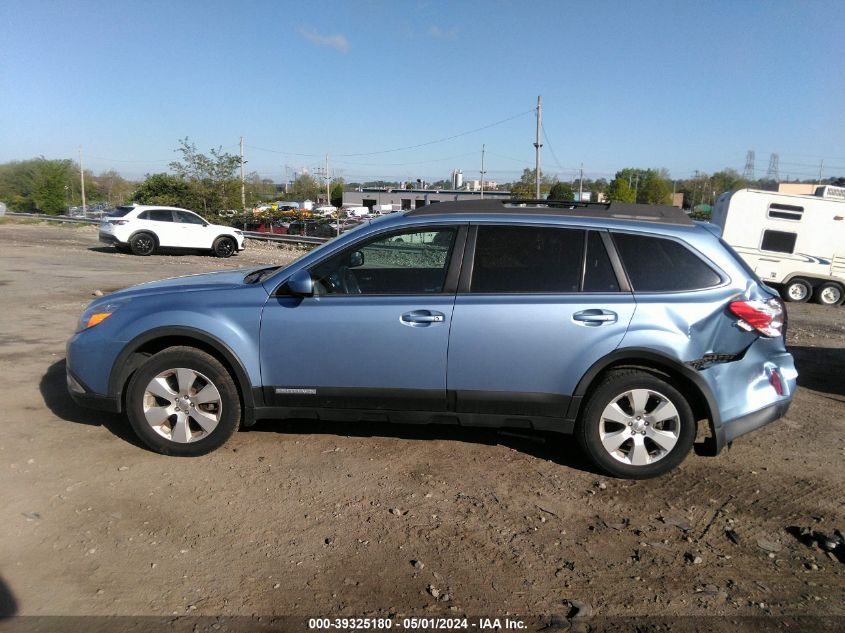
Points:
[[657, 264]]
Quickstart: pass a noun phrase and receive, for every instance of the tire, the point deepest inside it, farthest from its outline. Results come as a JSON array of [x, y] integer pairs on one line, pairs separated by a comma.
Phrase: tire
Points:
[[830, 293], [797, 290], [142, 244], [173, 382], [224, 247], [620, 433]]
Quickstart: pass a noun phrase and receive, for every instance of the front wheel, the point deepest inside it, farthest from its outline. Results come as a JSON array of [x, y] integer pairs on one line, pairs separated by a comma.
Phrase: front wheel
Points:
[[224, 247], [636, 425], [797, 290], [184, 402]]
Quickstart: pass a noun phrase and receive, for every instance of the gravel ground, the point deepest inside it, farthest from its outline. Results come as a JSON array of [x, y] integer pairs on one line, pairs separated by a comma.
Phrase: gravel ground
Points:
[[316, 519]]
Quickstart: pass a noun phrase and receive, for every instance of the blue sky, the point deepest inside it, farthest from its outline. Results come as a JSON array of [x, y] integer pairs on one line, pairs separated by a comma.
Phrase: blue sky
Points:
[[681, 85]]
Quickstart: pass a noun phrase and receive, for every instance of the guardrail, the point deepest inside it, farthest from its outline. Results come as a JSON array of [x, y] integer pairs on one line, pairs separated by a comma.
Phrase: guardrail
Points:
[[253, 235]]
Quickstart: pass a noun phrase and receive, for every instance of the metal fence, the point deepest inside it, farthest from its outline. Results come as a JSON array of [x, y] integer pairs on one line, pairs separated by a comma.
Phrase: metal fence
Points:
[[253, 235]]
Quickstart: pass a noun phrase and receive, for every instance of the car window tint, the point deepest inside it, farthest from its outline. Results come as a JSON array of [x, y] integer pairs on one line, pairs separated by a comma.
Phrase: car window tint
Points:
[[527, 259], [161, 215], [144, 215], [403, 263], [655, 264], [188, 218], [119, 212], [598, 271]]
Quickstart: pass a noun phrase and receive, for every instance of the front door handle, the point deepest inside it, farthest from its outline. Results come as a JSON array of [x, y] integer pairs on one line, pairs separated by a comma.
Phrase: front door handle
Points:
[[422, 318], [594, 317]]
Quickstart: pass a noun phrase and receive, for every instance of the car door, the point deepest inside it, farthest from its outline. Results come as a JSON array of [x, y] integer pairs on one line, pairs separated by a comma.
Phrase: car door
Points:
[[536, 307], [375, 334], [160, 222], [192, 230]]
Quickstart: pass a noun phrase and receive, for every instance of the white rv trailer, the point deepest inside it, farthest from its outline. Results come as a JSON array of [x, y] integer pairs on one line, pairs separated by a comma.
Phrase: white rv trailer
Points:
[[796, 241]]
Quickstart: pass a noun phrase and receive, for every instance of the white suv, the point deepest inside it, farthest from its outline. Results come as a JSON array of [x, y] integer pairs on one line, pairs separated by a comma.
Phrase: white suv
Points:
[[143, 229]]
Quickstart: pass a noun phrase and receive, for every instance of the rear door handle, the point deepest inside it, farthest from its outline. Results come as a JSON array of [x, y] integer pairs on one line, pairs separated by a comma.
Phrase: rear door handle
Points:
[[594, 317], [422, 318]]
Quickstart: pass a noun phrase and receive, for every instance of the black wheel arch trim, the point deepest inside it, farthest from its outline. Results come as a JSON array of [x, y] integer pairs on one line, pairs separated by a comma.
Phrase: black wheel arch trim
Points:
[[144, 232], [122, 368], [643, 356]]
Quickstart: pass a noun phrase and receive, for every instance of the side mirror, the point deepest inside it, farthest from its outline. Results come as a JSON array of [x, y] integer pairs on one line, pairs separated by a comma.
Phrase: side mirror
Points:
[[301, 284], [356, 258]]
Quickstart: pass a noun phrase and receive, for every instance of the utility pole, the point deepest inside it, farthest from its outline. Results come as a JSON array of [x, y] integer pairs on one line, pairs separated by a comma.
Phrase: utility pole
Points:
[[482, 171], [581, 185], [328, 180], [821, 167], [636, 186], [82, 180], [243, 187], [537, 146]]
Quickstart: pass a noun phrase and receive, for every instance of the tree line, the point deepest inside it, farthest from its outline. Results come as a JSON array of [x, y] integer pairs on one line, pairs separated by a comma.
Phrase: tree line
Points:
[[210, 182]]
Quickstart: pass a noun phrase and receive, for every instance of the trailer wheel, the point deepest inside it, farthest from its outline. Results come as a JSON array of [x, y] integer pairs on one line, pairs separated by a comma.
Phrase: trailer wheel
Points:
[[829, 293], [798, 290]]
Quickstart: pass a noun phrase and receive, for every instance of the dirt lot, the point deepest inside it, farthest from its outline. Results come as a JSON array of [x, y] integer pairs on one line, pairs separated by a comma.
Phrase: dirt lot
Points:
[[310, 519]]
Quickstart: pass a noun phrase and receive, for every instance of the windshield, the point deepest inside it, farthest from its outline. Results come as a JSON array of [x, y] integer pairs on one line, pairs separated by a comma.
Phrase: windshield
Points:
[[119, 212]]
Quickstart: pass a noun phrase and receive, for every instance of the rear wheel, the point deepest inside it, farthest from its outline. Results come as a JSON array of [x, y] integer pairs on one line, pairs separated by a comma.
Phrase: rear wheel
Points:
[[142, 244], [797, 290], [224, 247], [636, 425], [184, 402], [829, 293]]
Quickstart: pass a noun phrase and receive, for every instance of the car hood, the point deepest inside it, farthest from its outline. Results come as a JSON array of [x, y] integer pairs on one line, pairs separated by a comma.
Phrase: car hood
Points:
[[204, 281]]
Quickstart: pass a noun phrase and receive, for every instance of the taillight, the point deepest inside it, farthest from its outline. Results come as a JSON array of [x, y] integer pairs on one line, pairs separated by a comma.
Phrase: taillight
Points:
[[119, 222], [766, 317]]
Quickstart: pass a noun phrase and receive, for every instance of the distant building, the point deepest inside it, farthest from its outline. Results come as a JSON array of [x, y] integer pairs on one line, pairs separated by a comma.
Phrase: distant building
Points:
[[405, 199], [475, 185]]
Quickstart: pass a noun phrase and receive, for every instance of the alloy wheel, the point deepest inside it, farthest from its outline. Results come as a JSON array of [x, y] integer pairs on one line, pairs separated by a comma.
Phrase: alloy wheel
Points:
[[639, 427], [182, 405]]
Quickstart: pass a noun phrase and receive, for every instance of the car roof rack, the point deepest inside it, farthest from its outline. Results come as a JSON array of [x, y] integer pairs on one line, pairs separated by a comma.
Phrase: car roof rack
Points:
[[608, 210]]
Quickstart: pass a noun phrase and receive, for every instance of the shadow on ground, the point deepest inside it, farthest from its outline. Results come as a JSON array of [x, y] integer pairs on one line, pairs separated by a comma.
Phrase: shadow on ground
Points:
[[821, 368], [53, 387], [8, 604], [561, 449]]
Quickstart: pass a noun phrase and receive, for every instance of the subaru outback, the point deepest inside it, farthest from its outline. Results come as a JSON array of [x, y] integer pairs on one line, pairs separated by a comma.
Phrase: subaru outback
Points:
[[627, 326]]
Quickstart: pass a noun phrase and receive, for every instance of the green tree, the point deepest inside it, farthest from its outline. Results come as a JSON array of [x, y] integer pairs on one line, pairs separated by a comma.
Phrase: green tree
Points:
[[337, 193], [212, 177], [167, 190], [620, 190], [653, 189], [561, 191], [305, 187], [525, 187]]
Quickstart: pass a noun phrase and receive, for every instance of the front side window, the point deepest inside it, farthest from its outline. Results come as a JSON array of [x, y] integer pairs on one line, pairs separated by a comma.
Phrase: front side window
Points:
[[778, 241], [188, 218], [656, 264], [407, 263], [523, 259]]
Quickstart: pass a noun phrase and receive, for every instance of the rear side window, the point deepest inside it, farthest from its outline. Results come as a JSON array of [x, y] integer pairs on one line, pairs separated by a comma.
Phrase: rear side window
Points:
[[778, 241], [655, 264], [598, 271], [159, 215], [511, 259]]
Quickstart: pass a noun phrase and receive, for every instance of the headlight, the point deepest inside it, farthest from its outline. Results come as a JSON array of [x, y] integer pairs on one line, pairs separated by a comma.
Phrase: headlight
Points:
[[237, 232], [96, 314]]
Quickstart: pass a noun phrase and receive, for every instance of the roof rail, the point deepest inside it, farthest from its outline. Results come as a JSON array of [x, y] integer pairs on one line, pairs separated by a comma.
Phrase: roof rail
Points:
[[608, 210]]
